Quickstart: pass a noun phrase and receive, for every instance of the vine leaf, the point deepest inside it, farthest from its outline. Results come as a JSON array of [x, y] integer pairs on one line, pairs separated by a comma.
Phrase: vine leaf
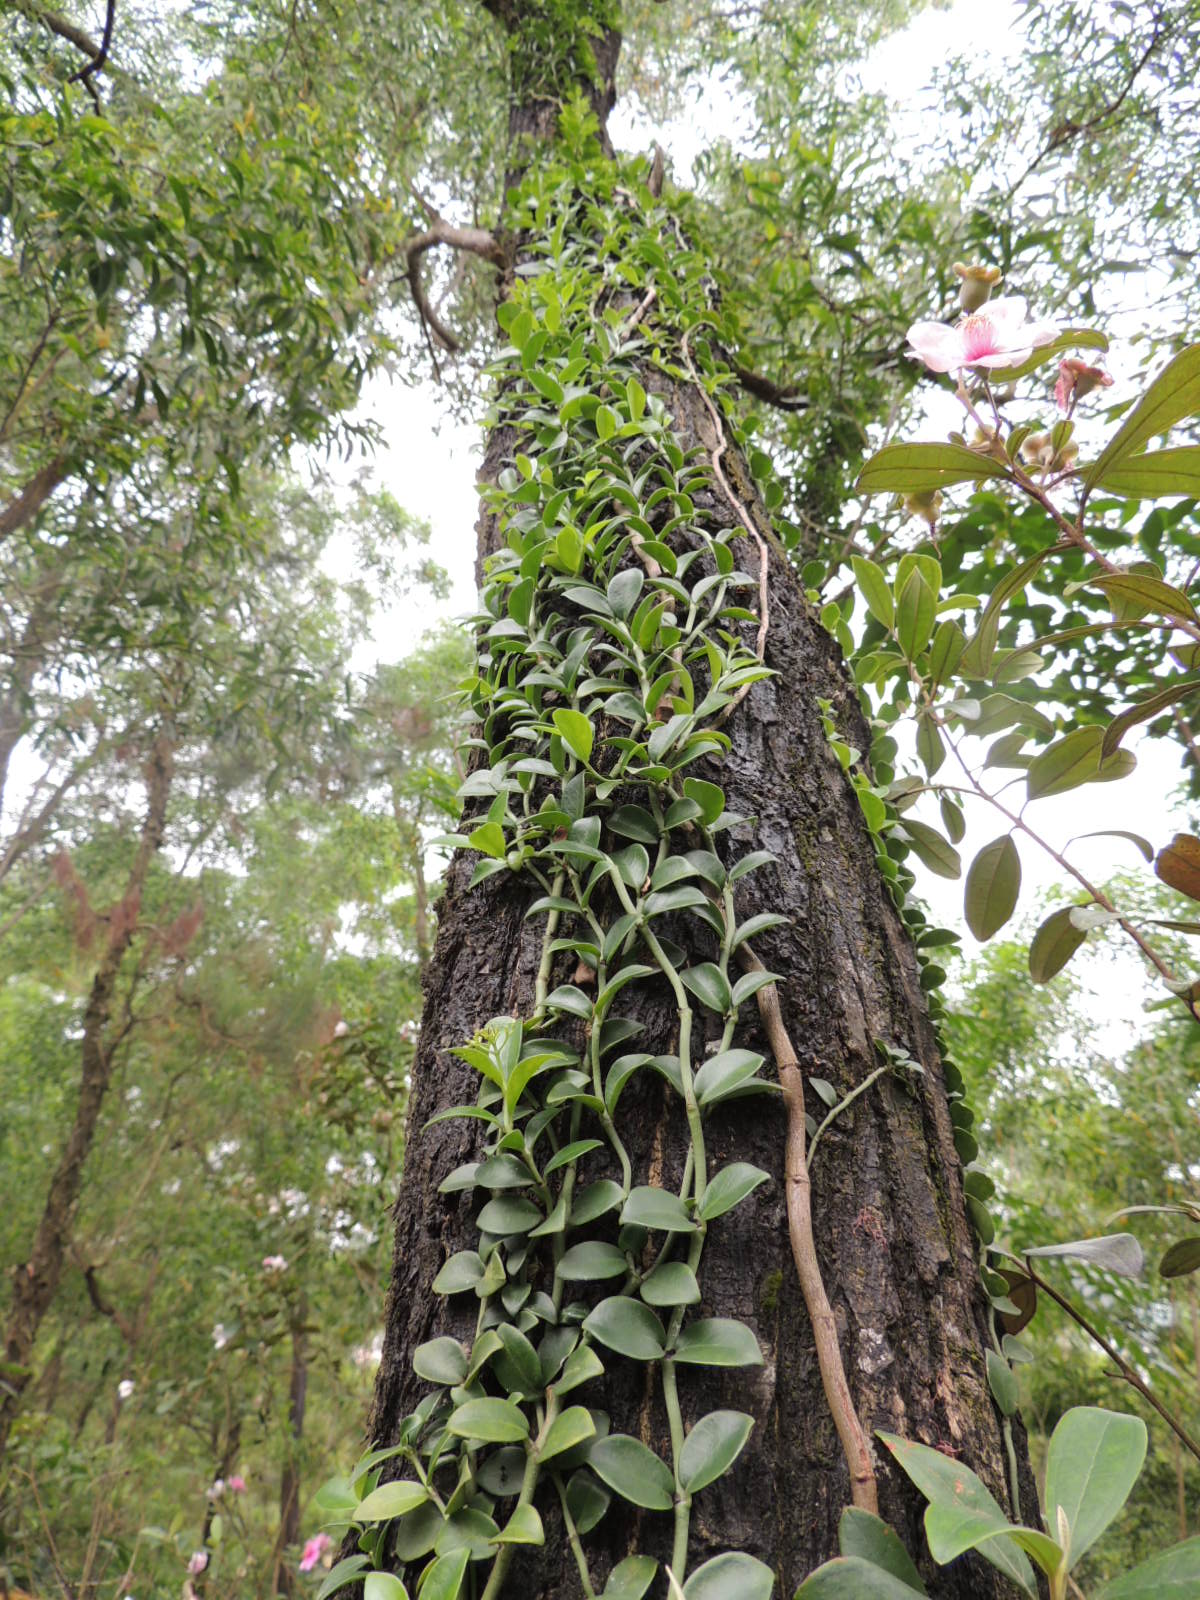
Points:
[[1171, 1575], [390, 1500], [576, 733], [718, 1342], [1116, 1252], [630, 1578], [854, 1578], [712, 1447], [628, 1327], [731, 1576], [634, 1471]]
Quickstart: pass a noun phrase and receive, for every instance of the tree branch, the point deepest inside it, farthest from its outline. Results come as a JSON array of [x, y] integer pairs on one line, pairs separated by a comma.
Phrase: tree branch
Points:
[[789, 399], [478, 241]]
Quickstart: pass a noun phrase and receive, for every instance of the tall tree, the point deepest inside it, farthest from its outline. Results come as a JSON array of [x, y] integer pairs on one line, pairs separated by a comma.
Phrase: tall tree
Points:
[[634, 717]]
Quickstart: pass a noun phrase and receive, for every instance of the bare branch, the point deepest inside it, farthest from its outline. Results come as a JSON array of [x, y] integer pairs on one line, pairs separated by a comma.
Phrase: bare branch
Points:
[[790, 399], [478, 241]]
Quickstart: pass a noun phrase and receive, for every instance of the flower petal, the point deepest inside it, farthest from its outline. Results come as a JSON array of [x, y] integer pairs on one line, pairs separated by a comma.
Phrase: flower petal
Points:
[[1005, 314], [937, 344], [1004, 358]]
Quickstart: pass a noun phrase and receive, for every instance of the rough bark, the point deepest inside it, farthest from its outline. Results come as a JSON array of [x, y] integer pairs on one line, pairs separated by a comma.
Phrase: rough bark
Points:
[[895, 1247], [36, 1280], [289, 1482]]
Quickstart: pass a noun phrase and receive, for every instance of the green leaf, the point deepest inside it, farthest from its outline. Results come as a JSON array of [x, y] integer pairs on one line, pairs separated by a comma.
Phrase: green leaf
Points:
[[576, 733], [710, 986], [490, 840], [1139, 592], [938, 854], [628, 1327], [952, 1530], [1068, 762], [630, 1578], [953, 1486], [1002, 1381], [1055, 942], [992, 887], [523, 1527], [672, 1284], [623, 590], [724, 1074], [916, 615], [383, 1586], [875, 590], [1155, 474], [592, 1260], [440, 1361], [712, 1447], [1143, 710], [1144, 845], [634, 1471], [1094, 1460], [1173, 395], [491, 1421], [340, 1575], [462, 1271], [862, 1534], [581, 1366], [708, 796], [1171, 1575], [853, 1578], [718, 1342], [571, 1427], [731, 1576], [729, 1187], [657, 1208], [1181, 1258], [443, 1579], [390, 1500], [569, 998], [976, 659], [918, 468], [509, 1214]]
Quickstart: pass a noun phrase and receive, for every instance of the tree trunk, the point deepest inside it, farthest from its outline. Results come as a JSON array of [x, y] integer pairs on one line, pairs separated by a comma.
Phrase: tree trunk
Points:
[[289, 1482], [893, 1241], [36, 1280]]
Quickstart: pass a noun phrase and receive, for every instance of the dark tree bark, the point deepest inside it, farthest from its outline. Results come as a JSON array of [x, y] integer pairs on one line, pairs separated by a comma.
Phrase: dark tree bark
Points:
[[36, 1280], [289, 1482], [893, 1239]]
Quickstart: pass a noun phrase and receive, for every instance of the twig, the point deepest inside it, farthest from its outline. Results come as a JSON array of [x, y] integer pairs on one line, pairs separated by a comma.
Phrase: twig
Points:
[[747, 522], [1127, 1372], [804, 1250], [791, 399]]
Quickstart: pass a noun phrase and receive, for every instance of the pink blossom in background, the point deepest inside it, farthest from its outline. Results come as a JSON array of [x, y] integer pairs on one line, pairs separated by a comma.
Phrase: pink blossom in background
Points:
[[314, 1550], [995, 336], [237, 1483], [1075, 379], [274, 1263], [198, 1563], [216, 1489]]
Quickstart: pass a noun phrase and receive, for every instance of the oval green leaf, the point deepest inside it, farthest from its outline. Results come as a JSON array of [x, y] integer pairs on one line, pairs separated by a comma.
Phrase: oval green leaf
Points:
[[712, 1447], [992, 887], [634, 1471]]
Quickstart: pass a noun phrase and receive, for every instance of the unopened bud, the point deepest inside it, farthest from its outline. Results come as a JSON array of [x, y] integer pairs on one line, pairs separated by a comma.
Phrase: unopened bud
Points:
[[1075, 379], [975, 285], [989, 443], [1038, 450], [925, 505]]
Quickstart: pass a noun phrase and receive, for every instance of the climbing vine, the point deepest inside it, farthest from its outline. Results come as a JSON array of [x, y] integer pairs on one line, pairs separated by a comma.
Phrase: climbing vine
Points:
[[619, 633]]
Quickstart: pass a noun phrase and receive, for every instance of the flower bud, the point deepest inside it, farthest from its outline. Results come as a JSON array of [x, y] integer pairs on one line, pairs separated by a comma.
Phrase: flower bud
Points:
[[925, 505], [1037, 449], [975, 285], [1075, 379], [989, 443]]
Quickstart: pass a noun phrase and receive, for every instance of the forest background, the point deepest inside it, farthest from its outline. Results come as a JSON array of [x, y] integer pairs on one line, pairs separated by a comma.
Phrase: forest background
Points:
[[222, 765]]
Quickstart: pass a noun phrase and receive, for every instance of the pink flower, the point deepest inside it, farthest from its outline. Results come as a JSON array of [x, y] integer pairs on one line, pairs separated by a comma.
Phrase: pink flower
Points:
[[237, 1483], [274, 1263], [995, 336], [314, 1550], [198, 1563], [1075, 379]]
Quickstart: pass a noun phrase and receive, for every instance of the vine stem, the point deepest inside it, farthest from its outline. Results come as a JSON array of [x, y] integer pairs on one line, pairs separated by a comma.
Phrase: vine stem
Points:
[[573, 1539], [841, 1106], [528, 1484], [1129, 1373], [863, 1488]]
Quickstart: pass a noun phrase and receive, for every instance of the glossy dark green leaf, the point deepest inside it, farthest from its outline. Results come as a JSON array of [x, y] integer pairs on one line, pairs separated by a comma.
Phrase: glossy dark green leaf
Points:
[[628, 1327], [634, 1471], [718, 1342], [729, 1187], [490, 1421], [935, 852], [440, 1361], [672, 1284], [712, 1447], [731, 1576], [630, 1578], [868, 1537], [592, 1260], [710, 986], [657, 1208]]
